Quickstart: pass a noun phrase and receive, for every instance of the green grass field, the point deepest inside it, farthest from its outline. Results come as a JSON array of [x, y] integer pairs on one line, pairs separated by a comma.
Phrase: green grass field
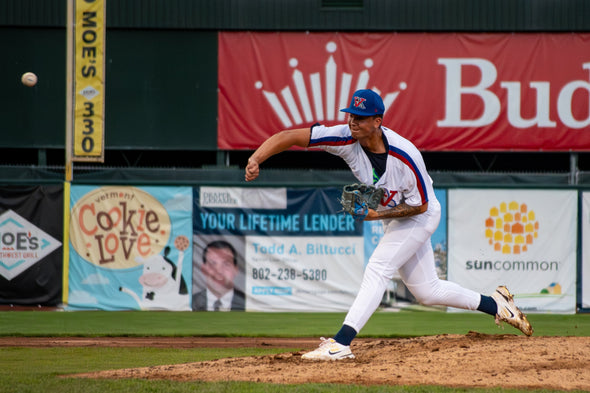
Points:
[[39, 369]]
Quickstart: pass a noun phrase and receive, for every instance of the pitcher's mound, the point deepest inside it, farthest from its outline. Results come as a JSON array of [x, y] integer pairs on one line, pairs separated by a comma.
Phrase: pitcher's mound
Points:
[[473, 360]]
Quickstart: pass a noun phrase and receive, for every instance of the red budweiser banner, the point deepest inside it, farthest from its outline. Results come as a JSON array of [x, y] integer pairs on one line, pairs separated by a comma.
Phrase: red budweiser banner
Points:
[[462, 92]]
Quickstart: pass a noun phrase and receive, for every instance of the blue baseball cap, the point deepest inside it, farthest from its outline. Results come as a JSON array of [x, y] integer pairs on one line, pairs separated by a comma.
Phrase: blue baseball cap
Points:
[[365, 103]]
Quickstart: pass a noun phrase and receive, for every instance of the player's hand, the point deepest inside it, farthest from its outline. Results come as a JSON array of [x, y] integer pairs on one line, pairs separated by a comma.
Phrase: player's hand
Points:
[[252, 170]]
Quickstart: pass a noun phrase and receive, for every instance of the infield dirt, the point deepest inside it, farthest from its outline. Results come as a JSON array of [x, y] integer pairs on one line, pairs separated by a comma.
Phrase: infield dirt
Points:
[[472, 360]]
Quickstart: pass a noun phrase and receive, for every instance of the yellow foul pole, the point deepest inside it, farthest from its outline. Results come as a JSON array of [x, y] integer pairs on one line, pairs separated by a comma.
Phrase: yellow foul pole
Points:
[[69, 170]]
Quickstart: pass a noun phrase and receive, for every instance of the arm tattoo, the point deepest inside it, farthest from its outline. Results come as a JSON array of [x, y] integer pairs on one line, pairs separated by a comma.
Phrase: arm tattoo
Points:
[[401, 210]]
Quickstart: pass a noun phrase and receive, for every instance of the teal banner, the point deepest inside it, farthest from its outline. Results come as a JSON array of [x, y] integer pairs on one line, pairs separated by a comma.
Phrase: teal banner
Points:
[[130, 248]]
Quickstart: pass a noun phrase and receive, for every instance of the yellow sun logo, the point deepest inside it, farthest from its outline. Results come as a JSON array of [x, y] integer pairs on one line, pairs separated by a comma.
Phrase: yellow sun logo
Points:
[[511, 227]]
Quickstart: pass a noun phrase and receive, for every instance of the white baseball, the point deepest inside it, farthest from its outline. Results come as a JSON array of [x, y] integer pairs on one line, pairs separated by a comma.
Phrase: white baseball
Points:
[[29, 79]]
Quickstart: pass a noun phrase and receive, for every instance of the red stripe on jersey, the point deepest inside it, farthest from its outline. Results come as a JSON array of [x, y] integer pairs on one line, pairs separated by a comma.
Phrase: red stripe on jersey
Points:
[[406, 159]]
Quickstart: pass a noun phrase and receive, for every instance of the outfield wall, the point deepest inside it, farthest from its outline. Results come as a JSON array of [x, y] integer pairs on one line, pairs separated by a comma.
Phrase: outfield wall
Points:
[[141, 247]]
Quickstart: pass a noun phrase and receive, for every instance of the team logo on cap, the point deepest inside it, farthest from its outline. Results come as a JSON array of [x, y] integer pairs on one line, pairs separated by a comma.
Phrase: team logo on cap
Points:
[[359, 102]]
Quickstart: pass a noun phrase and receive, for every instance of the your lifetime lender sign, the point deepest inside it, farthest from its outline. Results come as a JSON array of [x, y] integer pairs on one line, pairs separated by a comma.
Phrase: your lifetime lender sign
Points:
[[301, 252]]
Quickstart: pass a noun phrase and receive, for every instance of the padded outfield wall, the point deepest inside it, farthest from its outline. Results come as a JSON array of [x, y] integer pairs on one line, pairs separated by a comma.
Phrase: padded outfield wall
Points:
[[142, 247]]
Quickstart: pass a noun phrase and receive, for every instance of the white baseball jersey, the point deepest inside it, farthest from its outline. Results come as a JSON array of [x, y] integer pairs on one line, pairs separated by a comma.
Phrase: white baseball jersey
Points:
[[405, 178]]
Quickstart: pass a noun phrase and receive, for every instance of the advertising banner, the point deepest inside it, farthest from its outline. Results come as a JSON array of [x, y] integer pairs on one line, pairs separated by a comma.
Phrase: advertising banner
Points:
[[294, 249], [524, 239], [130, 248], [31, 254], [89, 80], [443, 91], [585, 279]]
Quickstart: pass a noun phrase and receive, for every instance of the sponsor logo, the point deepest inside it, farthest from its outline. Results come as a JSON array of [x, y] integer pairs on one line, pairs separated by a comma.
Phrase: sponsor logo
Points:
[[553, 289], [512, 266], [112, 227], [22, 244], [218, 197], [567, 110], [289, 104], [511, 228], [273, 291], [510, 311], [89, 92], [240, 197]]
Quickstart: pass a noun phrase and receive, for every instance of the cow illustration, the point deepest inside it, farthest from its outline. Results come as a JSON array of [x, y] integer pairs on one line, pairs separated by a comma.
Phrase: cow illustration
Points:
[[163, 286]]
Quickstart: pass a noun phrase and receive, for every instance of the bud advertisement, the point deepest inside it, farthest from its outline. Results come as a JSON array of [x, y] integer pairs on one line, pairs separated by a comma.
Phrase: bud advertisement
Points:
[[130, 248], [524, 239], [296, 252], [89, 86], [443, 91]]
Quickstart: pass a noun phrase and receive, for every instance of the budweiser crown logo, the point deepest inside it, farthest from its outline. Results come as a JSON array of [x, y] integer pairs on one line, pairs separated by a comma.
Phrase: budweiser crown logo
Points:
[[321, 97]]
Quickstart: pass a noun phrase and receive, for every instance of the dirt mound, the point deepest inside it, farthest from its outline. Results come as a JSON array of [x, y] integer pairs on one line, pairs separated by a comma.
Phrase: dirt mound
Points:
[[473, 360]]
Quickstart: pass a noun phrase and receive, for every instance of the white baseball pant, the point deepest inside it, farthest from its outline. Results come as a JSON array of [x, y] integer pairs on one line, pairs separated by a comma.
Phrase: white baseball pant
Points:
[[406, 247]]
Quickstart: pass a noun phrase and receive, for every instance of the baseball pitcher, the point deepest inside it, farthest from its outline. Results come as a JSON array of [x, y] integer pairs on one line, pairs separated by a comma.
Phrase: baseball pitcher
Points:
[[384, 161]]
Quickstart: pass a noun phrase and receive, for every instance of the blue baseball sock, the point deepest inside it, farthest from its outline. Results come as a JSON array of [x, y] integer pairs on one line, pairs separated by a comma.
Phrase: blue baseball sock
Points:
[[345, 335], [488, 305]]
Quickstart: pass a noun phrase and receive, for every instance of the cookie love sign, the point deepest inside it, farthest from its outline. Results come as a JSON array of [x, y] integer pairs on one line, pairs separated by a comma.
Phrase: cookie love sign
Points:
[[111, 226]]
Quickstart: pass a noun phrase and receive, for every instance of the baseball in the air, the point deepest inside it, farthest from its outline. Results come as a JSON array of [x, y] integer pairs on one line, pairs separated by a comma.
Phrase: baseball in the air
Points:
[[29, 79]]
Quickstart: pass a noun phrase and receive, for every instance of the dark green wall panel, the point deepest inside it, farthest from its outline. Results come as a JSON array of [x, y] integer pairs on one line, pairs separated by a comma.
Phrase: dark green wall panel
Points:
[[373, 15], [161, 89], [33, 13], [32, 116]]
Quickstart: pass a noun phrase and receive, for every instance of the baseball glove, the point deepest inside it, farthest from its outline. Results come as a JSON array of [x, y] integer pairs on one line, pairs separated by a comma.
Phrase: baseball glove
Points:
[[357, 199]]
